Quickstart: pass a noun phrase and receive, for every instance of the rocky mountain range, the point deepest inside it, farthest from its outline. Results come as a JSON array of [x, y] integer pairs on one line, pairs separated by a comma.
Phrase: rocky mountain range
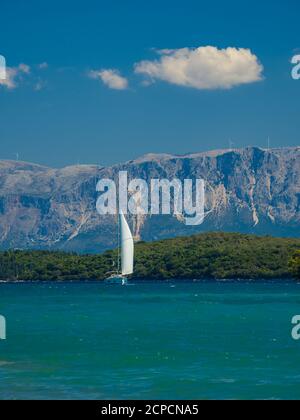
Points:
[[249, 190]]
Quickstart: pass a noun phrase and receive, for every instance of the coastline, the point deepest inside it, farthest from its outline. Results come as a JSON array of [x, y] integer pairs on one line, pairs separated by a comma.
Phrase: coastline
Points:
[[216, 256], [134, 281]]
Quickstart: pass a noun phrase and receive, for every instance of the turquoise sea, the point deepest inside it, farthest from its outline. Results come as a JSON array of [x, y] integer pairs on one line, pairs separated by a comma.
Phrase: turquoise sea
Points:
[[152, 340]]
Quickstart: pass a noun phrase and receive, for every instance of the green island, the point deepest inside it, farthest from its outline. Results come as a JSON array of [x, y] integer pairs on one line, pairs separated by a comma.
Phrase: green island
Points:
[[203, 256]]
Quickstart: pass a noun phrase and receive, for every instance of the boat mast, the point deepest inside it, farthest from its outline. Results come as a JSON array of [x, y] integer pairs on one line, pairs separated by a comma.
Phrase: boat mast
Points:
[[118, 229]]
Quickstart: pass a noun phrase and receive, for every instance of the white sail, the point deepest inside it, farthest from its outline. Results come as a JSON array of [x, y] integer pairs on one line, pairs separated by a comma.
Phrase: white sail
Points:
[[127, 247]]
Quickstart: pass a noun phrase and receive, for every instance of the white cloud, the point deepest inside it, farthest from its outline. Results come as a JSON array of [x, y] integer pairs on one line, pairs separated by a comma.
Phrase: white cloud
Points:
[[24, 68], [14, 76], [39, 85], [43, 66], [111, 78], [2, 67], [203, 67]]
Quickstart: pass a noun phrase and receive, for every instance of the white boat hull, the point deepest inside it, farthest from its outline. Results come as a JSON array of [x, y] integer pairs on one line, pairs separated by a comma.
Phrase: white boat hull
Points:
[[116, 279]]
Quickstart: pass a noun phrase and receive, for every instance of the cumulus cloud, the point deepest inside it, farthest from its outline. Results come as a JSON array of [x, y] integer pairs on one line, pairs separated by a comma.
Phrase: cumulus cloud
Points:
[[14, 76], [111, 78], [203, 67]]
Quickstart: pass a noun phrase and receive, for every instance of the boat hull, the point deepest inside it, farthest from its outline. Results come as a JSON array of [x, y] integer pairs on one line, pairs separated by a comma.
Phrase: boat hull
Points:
[[115, 279]]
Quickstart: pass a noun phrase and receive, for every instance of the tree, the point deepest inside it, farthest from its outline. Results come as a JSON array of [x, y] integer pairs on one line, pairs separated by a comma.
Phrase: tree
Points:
[[294, 265]]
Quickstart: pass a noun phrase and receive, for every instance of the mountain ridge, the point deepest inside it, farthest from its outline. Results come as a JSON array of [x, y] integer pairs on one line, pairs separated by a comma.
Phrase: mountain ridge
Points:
[[250, 190]]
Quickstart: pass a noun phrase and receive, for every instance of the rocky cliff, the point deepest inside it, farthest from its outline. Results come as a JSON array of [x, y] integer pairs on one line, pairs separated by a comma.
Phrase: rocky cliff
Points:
[[249, 190]]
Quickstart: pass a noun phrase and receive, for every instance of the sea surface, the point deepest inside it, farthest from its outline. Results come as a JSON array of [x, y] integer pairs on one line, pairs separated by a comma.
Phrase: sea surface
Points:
[[150, 340]]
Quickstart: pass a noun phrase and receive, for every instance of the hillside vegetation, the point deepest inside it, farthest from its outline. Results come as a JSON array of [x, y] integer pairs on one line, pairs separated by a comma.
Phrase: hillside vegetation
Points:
[[295, 265], [204, 256]]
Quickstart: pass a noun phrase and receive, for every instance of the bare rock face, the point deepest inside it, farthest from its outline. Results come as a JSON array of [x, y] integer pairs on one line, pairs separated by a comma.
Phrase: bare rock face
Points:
[[250, 190]]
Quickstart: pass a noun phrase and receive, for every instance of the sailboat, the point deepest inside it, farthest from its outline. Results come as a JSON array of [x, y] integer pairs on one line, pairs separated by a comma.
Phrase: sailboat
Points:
[[126, 244]]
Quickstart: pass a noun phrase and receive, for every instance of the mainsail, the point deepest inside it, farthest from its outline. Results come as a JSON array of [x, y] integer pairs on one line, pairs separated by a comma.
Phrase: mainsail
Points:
[[127, 247]]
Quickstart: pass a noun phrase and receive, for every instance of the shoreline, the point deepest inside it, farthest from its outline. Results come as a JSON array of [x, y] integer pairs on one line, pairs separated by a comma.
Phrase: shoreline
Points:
[[177, 280], [206, 256]]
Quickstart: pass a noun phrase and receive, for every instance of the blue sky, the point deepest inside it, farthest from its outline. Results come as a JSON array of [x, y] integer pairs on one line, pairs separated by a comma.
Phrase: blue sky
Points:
[[57, 114]]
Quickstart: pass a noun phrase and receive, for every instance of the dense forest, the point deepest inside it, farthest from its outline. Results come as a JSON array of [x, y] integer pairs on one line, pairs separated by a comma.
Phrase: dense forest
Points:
[[294, 265], [204, 256]]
